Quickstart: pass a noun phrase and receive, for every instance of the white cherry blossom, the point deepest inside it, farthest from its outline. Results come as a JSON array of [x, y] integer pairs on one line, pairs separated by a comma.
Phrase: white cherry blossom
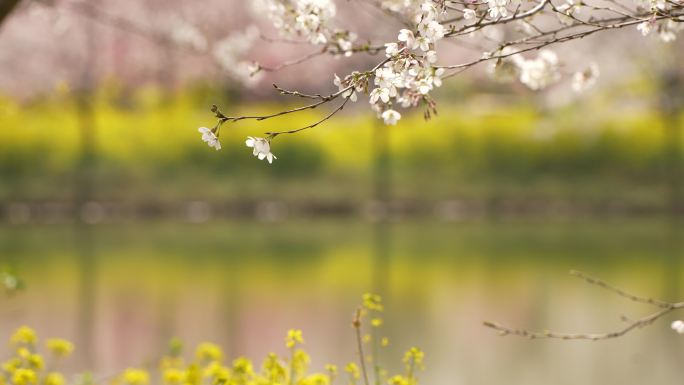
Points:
[[540, 72], [261, 148], [581, 81], [349, 94], [380, 93], [406, 36], [469, 14], [497, 8], [391, 49], [391, 117], [310, 19], [210, 138], [645, 27]]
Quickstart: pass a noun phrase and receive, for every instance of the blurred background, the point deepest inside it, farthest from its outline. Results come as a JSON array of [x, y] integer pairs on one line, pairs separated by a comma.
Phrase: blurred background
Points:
[[126, 230]]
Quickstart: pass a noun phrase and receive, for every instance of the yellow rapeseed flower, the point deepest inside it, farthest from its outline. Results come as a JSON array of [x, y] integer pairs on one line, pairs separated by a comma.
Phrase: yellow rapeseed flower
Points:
[[54, 378], [414, 357], [376, 322], [207, 351], [300, 362], [60, 347], [242, 366], [171, 363], [193, 375], [331, 369], [24, 336], [11, 365], [294, 337], [316, 379], [23, 353], [372, 302], [398, 380], [353, 371], [216, 371], [273, 369], [35, 361], [136, 377], [384, 341], [173, 376], [23, 376]]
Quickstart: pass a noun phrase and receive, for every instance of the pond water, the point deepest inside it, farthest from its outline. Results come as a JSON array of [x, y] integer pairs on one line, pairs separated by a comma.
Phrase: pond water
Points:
[[121, 291]]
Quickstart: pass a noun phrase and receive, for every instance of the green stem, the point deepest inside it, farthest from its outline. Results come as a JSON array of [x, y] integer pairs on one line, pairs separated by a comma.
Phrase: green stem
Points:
[[359, 341]]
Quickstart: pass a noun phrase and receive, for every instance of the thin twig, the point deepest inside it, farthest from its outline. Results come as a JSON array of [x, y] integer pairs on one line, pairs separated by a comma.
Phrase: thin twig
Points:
[[330, 115], [294, 62], [665, 308], [600, 283], [322, 100]]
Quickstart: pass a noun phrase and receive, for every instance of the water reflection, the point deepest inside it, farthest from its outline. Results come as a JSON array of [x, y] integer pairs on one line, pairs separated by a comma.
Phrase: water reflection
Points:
[[123, 290]]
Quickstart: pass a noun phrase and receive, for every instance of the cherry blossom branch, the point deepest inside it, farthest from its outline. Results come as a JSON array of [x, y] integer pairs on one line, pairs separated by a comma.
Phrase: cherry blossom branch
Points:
[[223, 118], [322, 100], [408, 74], [283, 91], [273, 134], [293, 62], [542, 44], [481, 24], [604, 285], [663, 306]]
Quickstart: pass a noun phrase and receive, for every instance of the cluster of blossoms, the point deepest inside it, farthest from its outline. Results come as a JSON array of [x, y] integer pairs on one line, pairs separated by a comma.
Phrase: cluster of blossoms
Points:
[[497, 8], [27, 366], [307, 19], [540, 72], [187, 35], [409, 74], [208, 365], [537, 73], [401, 6], [228, 51], [666, 29]]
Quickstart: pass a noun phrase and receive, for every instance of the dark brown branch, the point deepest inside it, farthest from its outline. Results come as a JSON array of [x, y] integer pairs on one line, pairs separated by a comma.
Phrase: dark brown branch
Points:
[[6, 7], [330, 115], [323, 99]]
